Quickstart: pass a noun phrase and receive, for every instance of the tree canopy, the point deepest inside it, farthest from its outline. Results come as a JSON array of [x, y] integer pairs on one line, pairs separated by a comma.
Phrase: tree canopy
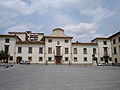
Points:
[[4, 55]]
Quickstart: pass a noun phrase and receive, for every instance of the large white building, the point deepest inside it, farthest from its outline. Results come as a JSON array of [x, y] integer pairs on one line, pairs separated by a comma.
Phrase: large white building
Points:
[[57, 48]]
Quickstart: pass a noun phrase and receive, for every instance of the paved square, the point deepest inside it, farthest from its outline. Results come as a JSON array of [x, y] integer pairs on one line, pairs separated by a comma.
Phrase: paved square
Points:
[[59, 77]]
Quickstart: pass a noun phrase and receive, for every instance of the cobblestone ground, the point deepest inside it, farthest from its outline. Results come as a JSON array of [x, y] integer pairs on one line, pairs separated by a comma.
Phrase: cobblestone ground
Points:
[[59, 77]]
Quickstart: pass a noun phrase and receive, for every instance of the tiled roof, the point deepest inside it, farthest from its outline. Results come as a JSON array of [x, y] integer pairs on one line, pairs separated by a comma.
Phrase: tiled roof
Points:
[[77, 43], [30, 42]]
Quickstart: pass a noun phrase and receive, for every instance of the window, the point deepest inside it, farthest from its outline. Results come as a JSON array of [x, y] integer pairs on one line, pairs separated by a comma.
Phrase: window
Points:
[[66, 59], [105, 42], [19, 49], [119, 49], [94, 50], [114, 42], [49, 59], [40, 50], [119, 39], [115, 51], [7, 40], [66, 51], [110, 59], [49, 50], [101, 58], [75, 59], [50, 40], [85, 50], [30, 50], [75, 50], [40, 59], [105, 50], [115, 60], [11, 58], [85, 59], [30, 58], [7, 48], [66, 41]]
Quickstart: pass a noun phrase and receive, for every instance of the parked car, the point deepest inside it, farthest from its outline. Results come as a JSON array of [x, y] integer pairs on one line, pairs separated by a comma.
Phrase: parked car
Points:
[[25, 62], [103, 64]]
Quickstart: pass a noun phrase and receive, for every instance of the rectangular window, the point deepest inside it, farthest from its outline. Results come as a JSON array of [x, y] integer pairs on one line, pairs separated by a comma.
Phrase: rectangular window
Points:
[[75, 50], [110, 59], [30, 58], [104, 42], [66, 41], [119, 49], [7, 48], [29, 50], [115, 51], [66, 59], [40, 59], [49, 59], [40, 50], [115, 60], [101, 58], [94, 50], [105, 51], [75, 59], [84, 50], [7, 40], [11, 58], [114, 42], [19, 49], [85, 59], [66, 51], [49, 40], [119, 39], [49, 50]]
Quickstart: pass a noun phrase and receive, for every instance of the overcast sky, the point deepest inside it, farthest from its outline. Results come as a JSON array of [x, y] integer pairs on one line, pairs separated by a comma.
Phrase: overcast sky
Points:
[[82, 19]]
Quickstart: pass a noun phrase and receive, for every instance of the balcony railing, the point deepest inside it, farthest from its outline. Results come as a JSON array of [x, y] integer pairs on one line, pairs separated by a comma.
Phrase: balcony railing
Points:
[[106, 55]]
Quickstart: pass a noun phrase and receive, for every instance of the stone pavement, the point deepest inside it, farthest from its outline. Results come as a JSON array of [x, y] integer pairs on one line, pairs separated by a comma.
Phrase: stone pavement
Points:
[[59, 77]]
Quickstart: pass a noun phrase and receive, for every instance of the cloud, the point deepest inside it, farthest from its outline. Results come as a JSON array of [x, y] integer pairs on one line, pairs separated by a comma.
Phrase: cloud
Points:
[[84, 37], [81, 18], [81, 27], [16, 7], [25, 27], [99, 13], [83, 32]]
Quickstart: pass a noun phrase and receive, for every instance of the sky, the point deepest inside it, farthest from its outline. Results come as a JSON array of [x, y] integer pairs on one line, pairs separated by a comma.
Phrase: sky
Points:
[[84, 20]]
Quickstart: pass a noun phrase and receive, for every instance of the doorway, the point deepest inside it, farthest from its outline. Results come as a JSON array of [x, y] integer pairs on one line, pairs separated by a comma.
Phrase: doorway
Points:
[[106, 60], [58, 60], [18, 60]]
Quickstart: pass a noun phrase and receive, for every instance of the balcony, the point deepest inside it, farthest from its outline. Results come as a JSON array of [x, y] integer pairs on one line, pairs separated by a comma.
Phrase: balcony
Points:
[[58, 54], [106, 55]]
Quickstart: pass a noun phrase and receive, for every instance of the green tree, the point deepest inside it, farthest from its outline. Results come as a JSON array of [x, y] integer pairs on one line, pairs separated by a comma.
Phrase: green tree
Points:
[[4, 56]]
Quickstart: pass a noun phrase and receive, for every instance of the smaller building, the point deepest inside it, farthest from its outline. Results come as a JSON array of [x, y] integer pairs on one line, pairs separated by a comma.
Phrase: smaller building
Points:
[[115, 47], [104, 50]]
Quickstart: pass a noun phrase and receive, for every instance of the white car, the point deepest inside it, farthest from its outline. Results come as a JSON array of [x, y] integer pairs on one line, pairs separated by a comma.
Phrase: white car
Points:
[[25, 62]]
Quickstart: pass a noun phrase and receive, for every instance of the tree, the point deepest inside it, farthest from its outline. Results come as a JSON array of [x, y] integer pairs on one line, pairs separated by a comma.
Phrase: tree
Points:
[[4, 56]]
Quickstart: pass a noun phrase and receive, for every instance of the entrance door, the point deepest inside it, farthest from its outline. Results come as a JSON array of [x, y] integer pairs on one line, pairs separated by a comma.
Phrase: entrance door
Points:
[[19, 59], [106, 60], [58, 60]]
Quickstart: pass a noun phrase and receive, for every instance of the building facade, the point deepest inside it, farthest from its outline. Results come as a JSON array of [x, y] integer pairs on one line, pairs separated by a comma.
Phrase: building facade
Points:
[[115, 47], [57, 48]]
